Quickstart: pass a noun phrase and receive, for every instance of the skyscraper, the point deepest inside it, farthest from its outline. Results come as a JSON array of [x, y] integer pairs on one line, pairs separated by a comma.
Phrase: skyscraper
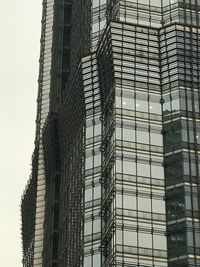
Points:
[[115, 171]]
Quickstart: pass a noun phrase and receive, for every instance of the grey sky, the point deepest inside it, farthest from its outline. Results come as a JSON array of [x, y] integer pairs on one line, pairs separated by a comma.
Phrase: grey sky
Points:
[[19, 55]]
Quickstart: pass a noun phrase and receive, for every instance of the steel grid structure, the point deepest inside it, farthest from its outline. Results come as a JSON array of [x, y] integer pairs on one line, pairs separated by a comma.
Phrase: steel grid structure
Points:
[[116, 178], [28, 210], [52, 203]]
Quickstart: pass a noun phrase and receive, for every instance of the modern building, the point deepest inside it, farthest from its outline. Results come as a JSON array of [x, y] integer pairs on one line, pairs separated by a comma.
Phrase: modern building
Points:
[[116, 168]]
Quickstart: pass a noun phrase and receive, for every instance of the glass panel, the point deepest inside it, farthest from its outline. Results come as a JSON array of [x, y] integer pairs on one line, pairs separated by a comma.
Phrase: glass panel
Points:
[[128, 103], [158, 206], [145, 240], [144, 204], [143, 169], [129, 167], [143, 137], [156, 139], [130, 238], [96, 260], [129, 135], [88, 228], [159, 242], [129, 202], [87, 262], [141, 106]]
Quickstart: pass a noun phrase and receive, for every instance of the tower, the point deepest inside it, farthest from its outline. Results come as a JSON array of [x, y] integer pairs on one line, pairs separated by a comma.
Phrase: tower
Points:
[[115, 177]]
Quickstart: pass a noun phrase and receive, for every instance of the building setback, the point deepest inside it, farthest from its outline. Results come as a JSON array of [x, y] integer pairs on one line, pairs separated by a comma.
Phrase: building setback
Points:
[[115, 170]]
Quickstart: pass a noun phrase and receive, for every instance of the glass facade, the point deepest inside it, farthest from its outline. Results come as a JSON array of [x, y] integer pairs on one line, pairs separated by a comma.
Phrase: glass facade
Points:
[[179, 46], [98, 20], [133, 185], [118, 130], [92, 194]]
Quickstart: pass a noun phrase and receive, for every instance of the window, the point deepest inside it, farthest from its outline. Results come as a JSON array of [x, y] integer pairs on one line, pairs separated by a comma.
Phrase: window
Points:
[[97, 160], [129, 167], [143, 169], [155, 108], [145, 240], [89, 163], [142, 137], [129, 202], [159, 242], [141, 106], [129, 135], [97, 226], [128, 103], [89, 132], [88, 194], [88, 228], [144, 204], [88, 261], [130, 238], [156, 139], [157, 171], [96, 260], [158, 206]]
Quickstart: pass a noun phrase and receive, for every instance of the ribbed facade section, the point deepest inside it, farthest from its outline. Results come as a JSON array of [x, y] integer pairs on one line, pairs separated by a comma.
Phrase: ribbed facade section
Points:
[[28, 210], [43, 104], [43, 109]]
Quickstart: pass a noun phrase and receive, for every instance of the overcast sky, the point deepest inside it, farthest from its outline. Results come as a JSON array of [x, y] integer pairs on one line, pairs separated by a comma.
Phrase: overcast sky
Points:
[[19, 54]]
